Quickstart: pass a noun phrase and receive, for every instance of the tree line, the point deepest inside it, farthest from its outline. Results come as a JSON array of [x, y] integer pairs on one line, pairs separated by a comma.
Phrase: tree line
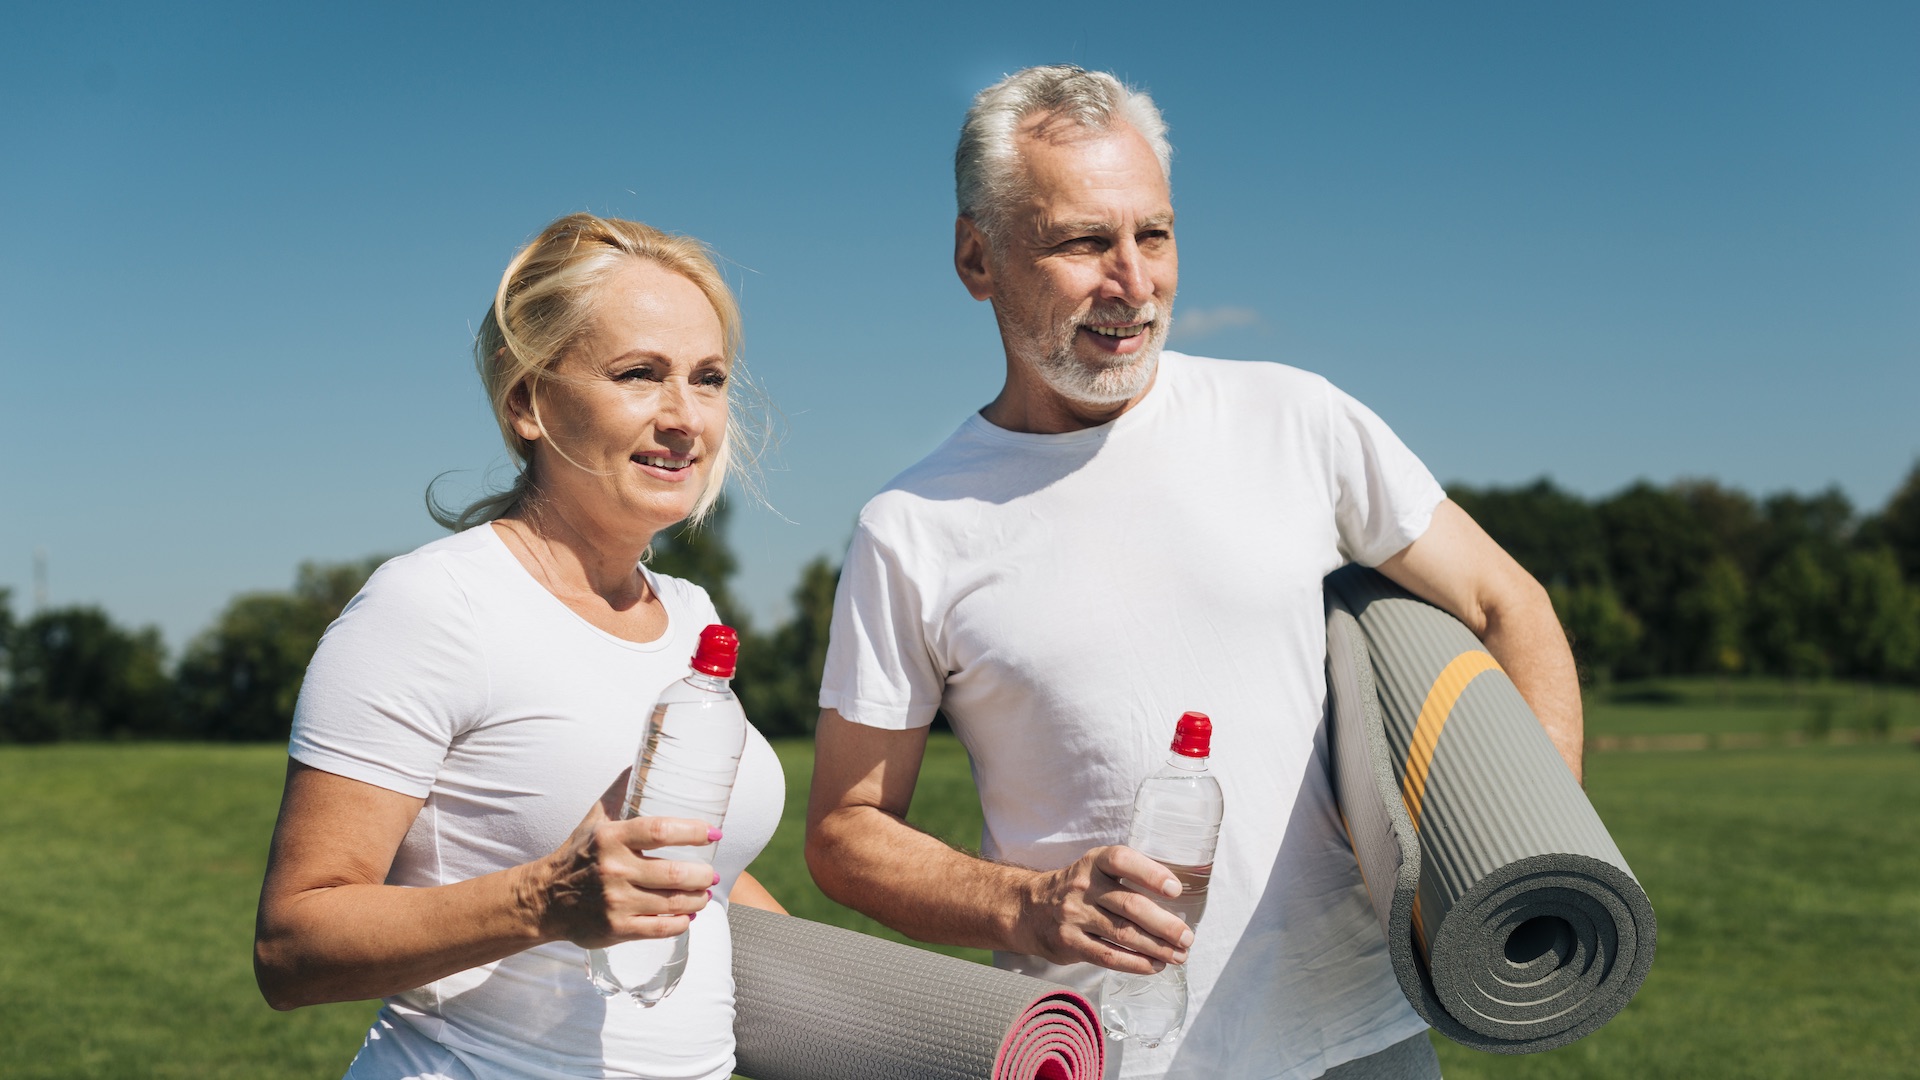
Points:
[[72, 673], [1689, 578], [1696, 578]]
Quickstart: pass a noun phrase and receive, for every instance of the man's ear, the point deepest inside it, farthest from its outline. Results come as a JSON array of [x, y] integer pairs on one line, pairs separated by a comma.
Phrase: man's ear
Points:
[[970, 258]]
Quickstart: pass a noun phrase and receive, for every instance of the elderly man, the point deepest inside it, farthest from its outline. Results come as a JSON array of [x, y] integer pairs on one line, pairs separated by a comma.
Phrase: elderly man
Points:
[[1121, 535]]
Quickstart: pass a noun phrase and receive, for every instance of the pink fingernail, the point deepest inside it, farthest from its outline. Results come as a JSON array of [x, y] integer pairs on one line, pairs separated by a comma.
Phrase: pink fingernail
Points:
[[712, 834], [716, 877], [691, 914], [709, 894]]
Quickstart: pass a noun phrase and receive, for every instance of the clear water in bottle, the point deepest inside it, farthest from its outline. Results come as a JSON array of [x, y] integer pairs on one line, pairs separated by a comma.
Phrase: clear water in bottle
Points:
[[685, 769], [1176, 822]]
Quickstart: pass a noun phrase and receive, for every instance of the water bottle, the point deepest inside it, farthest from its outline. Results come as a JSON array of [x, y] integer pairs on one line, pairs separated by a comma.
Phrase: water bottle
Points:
[[1176, 823], [688, 756]]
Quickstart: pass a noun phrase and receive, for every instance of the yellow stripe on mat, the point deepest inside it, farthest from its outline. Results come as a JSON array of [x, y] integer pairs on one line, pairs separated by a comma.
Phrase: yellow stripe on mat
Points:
[[1446, 690]]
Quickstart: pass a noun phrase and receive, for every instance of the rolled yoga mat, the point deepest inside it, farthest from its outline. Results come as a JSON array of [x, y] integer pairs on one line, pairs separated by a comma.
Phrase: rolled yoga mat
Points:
[[816, 1002], [1513, 922]]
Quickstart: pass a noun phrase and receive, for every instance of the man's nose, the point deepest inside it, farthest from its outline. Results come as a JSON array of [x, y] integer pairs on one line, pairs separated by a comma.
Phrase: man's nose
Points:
[[1128, 278]]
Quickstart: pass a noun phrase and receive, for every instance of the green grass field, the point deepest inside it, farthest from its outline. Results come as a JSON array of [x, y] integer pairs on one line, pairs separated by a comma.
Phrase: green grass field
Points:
[[1751, 707], [1787, 881]]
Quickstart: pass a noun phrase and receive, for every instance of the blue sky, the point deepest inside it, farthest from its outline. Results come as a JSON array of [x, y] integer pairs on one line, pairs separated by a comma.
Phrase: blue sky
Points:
[[245, 245]]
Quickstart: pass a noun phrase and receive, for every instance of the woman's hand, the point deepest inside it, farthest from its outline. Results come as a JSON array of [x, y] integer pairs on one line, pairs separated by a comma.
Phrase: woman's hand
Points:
[[601, 887]]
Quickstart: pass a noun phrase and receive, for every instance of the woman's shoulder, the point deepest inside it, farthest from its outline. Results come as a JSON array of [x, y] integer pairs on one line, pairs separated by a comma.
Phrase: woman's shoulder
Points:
[[435, 589], [440, 568], [683, 598]]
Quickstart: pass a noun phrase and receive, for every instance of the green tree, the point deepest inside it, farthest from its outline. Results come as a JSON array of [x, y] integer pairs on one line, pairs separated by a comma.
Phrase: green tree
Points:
[[1712, 613], [1897, 526], [779, 681], [73, 674], [1730, 519], [1553, 534], [1603, 633], [1656, 549], [1821, 524], [239, 679], [1879, 617], [6, 647], [1794, 606]]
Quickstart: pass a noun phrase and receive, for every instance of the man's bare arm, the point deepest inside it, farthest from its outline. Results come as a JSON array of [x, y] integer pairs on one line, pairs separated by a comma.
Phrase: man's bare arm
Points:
[[1457, 566], [863, 854]]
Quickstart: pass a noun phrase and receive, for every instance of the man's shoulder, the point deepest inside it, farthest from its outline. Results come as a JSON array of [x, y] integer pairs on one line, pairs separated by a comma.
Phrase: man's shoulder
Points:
[[1268, 376], [962, 467]]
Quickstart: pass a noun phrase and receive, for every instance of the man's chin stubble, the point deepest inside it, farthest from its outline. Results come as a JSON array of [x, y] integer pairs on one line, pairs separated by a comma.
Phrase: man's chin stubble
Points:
[[1114, 384]]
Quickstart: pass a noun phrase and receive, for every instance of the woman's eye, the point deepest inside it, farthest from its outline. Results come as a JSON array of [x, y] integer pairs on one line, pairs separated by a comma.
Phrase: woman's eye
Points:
[[713, 378]]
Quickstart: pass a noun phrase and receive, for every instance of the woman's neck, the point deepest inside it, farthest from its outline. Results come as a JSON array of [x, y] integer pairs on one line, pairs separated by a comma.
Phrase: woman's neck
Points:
[[575, 560]]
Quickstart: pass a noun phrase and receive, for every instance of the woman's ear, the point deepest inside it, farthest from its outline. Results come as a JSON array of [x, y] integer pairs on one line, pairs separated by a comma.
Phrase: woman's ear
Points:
[[524, 412]]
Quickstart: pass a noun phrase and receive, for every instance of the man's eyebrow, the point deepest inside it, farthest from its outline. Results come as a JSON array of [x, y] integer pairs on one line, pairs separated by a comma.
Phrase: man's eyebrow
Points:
[[1064, 229], [1067, 229]]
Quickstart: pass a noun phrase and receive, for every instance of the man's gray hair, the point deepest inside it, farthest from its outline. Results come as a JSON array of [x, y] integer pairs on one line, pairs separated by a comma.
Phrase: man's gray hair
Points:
[[987, 175]]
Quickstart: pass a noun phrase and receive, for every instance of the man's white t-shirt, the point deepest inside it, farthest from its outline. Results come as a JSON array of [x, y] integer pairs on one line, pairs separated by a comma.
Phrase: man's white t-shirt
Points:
[[1064, 598], [455, 677]]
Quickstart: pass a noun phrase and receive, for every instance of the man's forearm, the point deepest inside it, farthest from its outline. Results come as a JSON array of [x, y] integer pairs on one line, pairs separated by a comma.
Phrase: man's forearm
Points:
[[880, 866], [1457, 566], [1098, 909], [1526, 638]]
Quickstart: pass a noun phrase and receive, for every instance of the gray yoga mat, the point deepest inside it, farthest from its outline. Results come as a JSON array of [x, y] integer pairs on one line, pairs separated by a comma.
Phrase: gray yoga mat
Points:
[[1513, 922], [816, 1002]]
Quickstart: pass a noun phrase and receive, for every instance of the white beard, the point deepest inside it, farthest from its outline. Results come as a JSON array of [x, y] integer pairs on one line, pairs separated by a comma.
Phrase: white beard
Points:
[[1112, 381]]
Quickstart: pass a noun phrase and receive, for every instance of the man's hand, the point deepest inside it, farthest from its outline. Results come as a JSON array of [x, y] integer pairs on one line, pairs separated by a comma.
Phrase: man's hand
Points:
[[864, 854], [1087, 913]]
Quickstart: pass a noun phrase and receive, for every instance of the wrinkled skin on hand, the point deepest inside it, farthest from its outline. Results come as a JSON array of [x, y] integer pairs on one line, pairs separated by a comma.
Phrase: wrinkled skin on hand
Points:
[[601, 888], [1086, 913]]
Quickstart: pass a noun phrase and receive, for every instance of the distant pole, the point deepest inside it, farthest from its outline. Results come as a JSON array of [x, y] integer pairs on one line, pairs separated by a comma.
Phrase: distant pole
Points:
[[39, 579]]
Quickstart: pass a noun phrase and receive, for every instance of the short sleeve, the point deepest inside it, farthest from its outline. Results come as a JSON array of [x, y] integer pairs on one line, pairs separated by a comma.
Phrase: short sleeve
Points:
[[396, 678], [879, 670], [1384, 495]]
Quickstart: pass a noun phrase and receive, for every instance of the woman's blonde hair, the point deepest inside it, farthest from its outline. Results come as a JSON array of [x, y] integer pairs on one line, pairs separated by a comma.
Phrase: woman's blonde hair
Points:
[[544, 305]]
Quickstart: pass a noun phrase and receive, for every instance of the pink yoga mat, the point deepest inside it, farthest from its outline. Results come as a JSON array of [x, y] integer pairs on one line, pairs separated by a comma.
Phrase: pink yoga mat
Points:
[[816, 1002]]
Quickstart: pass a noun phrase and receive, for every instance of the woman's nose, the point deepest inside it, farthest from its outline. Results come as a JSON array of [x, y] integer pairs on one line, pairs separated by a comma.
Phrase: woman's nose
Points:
[[678, 411]]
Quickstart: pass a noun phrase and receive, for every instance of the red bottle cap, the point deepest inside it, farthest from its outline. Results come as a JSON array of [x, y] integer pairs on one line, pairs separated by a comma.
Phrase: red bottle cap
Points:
[[718, 652], [1193, 735]]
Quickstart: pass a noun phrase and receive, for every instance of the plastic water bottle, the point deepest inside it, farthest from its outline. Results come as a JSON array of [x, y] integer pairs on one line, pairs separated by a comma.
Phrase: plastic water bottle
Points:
[[1176, 823], [688, 756]]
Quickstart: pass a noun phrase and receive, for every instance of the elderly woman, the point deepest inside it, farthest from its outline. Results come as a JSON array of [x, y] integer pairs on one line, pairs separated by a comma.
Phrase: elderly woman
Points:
[[447, 839]]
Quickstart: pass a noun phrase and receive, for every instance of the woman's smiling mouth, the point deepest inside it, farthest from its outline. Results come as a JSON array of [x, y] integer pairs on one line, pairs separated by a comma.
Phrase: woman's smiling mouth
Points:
[[665, 466]]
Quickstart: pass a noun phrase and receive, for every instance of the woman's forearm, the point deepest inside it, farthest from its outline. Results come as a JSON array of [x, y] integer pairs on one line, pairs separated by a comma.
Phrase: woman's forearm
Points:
[[351, 942], [330, 930]]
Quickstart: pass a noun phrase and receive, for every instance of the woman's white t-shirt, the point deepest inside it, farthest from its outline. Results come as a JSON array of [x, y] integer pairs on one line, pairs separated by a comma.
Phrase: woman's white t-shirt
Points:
[[455, 677]]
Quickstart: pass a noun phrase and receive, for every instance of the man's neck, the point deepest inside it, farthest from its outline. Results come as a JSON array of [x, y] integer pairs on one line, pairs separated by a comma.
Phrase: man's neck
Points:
[[1027, 404]]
